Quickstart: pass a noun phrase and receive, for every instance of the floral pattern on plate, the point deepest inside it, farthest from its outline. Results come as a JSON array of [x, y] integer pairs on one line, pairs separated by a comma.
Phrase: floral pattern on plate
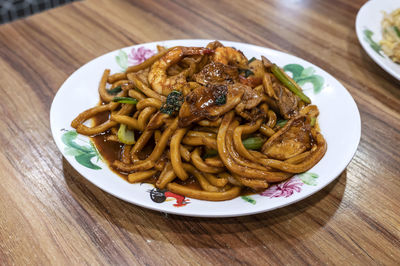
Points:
[[82, 152], [289, 187], [135, 57], [374, 45], [305, 75], [66, 106]]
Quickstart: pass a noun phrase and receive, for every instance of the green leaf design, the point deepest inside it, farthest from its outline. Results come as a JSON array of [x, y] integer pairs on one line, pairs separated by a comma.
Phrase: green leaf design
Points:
[[68, 139], [82, 154], [96, 151], [295, 69], [305, 75], [249, 199], [72, 151], [315, 80], [309, 71], [309, 178], [368, 38], [84, 159], [122, 60]]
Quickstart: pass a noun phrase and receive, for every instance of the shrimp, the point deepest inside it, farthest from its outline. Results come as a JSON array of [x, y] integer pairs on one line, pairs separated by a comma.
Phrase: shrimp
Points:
[[230, 56], [158, 77]]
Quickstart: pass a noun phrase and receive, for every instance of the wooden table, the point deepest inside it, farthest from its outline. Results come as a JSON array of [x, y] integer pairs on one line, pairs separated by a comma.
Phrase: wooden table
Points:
[[52, 215]]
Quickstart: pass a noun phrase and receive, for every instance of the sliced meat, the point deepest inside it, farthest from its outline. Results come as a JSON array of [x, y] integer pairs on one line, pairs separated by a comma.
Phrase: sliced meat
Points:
[[250, 98], [217, 73], [284, 102], [209, 102], [293, 139]]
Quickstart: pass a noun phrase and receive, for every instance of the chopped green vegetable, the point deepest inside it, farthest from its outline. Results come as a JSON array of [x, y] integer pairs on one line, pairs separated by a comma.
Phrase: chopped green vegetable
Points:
[[252, 59], [128, 100], [247, 72], [279, 74], [253, 143], [115, 90], [249, 199], [221, 100], [126, 135], [313, 121], [396, 29], [281, 122], [210, 153], [173, 103]]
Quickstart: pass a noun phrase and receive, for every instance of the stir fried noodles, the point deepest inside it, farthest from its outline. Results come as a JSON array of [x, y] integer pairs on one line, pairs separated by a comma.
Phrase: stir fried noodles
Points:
[[206, 116], [390, 42]]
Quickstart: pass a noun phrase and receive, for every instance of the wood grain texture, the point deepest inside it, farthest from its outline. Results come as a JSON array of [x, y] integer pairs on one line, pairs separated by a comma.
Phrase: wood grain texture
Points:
[[49, 214]]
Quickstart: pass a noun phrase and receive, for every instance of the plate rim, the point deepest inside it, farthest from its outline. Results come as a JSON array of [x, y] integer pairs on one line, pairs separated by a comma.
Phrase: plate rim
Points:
[[372, 54], [187, 212]]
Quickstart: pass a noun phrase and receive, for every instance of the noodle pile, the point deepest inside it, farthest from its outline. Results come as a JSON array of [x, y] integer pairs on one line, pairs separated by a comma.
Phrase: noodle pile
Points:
[[209, 115], [390, 42]]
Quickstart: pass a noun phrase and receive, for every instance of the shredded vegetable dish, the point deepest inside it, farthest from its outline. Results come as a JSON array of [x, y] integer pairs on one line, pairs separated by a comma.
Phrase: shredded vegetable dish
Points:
[[390, 42], [204, 122]]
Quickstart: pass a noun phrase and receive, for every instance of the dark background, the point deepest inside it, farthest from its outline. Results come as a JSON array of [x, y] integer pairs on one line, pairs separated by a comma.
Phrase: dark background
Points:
[[13, 9]]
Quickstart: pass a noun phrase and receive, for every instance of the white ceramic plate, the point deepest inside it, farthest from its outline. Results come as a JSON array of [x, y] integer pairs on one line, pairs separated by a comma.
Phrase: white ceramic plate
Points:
[[339, 121], [369, 33]]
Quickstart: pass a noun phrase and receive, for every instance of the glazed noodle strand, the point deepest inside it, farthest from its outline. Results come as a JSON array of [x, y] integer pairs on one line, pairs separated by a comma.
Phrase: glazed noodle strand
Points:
[[205, 123]]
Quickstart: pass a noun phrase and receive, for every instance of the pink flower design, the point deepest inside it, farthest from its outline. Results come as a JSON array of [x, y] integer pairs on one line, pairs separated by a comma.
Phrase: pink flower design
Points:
[[285, 189], [140, 55]]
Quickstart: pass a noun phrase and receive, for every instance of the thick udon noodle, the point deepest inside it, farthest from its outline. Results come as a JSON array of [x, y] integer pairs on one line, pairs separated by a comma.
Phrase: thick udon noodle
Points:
[[238, 126]]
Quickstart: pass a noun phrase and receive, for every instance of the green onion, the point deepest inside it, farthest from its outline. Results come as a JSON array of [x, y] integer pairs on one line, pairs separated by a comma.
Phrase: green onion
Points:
[[126, 135], [248, 72], [210, 153], [252, 59], [253, 143], [279, 74], [115, 90], [396, 29], [281, 122], [313, 121], [128, 100]]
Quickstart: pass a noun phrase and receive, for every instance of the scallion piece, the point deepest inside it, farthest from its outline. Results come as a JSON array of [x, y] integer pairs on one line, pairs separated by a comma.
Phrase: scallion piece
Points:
[[253, 143], [115, 90], [252, 59], [128, 100], [281, 122], [126, 135], [396, 29], [248, 73], [210, 153], [281, 76]]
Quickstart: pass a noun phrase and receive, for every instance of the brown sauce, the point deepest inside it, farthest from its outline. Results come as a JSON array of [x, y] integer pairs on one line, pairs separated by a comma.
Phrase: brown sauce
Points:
[[109, 150], [112, 150]]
